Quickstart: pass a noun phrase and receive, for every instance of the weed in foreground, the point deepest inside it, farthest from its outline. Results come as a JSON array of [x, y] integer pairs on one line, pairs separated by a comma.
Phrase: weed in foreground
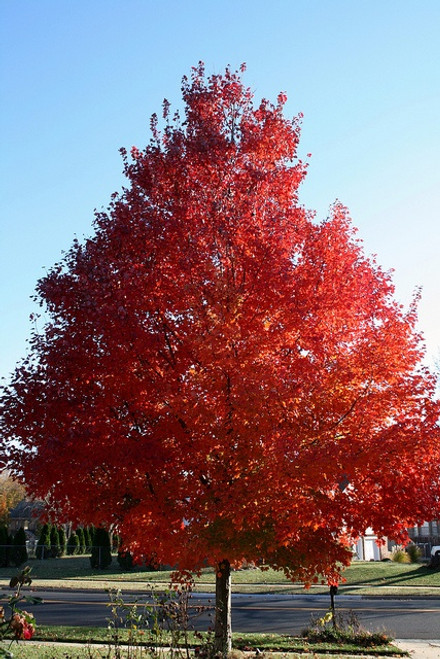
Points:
[[158, 628]]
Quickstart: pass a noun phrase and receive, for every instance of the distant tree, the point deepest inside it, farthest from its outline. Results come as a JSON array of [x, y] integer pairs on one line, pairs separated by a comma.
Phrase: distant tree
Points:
[[43, 550], [19, 551], [101, 550], [4, 510], [11, 493], [73, 545]]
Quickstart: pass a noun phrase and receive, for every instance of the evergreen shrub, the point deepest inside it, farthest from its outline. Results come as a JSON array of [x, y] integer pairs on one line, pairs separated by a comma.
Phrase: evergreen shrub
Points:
[[82, 544], [43, 550], [55, 549], [101, 553], [19, 551], [4, 547], [73, 545], [125, 560], [62, 539]]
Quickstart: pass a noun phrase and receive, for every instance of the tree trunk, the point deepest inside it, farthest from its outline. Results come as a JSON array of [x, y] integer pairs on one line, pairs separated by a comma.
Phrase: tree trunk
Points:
[[223, 630]]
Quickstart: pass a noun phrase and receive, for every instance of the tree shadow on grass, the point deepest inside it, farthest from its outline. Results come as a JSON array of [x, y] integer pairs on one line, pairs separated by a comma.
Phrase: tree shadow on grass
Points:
[[421, 572]]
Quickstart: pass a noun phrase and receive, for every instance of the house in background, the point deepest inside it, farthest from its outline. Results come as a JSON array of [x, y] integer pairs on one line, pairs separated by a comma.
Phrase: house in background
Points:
[[26, 515], [368, 549], [425, 536]]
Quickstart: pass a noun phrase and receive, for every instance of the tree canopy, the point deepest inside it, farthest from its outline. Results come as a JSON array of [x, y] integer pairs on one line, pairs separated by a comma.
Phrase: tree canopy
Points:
[[230, 378]]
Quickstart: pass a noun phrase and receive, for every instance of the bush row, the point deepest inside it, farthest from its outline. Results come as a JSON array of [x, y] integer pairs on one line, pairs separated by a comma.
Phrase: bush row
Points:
[[12, 548], [53, 543]]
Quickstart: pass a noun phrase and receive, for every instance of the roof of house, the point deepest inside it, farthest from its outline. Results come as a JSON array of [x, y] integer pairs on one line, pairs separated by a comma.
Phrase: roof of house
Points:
[[27, 509]]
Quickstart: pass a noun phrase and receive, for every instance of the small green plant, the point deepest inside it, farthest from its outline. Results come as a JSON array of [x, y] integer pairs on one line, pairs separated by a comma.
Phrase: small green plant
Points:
[[133, 624], [124, 616], [414, 553], [400, 556], [161, 625]]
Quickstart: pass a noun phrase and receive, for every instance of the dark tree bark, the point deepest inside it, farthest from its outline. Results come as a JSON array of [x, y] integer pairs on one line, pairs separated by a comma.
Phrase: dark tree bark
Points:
[[223, 630]]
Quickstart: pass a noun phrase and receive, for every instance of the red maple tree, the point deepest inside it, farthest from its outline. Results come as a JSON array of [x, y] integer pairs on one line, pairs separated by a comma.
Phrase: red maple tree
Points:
[[230, 379]]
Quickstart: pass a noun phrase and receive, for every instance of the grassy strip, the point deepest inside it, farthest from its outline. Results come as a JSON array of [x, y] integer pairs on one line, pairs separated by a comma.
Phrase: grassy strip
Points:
[[36, 651], [284, 643], [248, 642]]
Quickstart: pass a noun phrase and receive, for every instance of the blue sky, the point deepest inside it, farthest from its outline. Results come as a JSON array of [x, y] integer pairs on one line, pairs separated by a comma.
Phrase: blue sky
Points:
[[81, 79]]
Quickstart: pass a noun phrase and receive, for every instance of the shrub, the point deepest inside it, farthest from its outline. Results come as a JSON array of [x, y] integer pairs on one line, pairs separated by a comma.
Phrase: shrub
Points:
[[73, 545], [82, 543], [43, 550], [4, 547], [10, 546], [55, 549], [116, 541], [19, 551], [400, 556], [101, 554], [125, 560], [62, 539], [344, 628], [87, 539], [414, 553], [92, 531]]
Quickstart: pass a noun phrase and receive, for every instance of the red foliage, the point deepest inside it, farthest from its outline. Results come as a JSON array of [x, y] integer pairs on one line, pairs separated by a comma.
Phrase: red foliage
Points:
[[217, 366], [23, 625]]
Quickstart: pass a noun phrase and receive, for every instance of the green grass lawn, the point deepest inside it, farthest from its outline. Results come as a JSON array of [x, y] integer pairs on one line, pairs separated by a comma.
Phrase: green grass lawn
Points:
[[97, 643], [241, 641], [391, 574], [362, 578]]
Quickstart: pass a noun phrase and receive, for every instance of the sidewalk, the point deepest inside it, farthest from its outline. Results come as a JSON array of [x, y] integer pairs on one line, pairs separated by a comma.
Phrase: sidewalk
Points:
[[420, 649]]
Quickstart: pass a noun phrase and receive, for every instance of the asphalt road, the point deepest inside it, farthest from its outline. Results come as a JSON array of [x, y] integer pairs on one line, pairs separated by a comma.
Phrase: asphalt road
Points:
[[404, 619]]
